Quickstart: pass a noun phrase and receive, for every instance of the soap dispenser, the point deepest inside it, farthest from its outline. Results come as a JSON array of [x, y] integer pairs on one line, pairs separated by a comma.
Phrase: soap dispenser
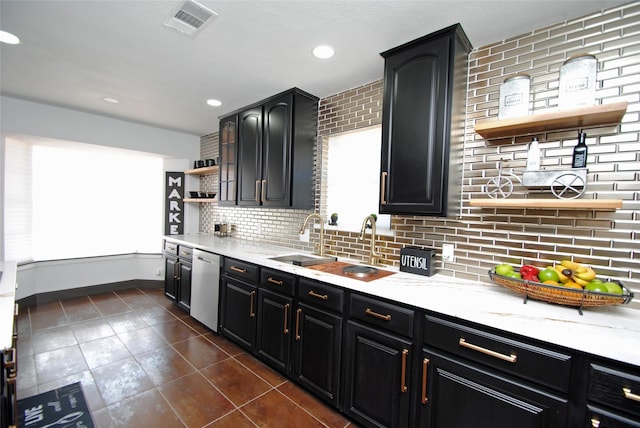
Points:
[[533, 157]]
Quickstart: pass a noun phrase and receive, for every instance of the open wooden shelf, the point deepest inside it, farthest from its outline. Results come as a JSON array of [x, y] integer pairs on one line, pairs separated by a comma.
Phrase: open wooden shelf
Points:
[[605, 114], [558, 204], [207, 170], [199, 199]]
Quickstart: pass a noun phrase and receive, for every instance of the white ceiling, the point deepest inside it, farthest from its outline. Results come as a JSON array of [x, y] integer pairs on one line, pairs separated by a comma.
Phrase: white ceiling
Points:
[[74, 53]]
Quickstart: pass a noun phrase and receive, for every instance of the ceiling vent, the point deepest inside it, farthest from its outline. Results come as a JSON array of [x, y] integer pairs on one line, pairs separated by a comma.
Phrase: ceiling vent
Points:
[[190, 18]]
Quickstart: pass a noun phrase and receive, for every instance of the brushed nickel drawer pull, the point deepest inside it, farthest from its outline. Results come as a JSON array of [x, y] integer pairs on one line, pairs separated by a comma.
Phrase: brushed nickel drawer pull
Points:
[[257, 191], [630, 395], [383, 188], [509, 358], [275, 281], [298, 312], [377, 315], [425, 366], [403, 374], [286, 317], [185, 253], [318, 296], [237, 269], [595, 423], [264, 189]]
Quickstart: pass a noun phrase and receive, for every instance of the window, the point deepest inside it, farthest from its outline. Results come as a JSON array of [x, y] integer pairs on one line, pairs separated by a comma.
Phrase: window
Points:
[[353, 178], [68, 200]]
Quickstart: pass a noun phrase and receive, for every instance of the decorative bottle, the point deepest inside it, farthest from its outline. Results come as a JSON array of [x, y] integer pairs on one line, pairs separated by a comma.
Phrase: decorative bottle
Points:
[[533, 157], [580, 152]]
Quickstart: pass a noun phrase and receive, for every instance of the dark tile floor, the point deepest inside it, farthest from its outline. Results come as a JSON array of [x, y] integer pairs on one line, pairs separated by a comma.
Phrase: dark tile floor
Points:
[[144, 363]]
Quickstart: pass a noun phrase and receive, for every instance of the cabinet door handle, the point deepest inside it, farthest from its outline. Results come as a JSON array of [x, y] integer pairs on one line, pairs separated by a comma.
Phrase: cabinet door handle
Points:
[[251, 313], [425, 366], [377, 315], [264, 190], [257, 193], [383, 188], [298, 312], [179, 268], [509, 358], [237, 269], [403, 375], [318, 296], [275, 281], [286, 316], [630, 395]]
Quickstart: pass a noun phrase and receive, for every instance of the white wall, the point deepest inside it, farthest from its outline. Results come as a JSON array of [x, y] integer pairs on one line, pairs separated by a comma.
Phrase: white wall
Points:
[[25, 118]]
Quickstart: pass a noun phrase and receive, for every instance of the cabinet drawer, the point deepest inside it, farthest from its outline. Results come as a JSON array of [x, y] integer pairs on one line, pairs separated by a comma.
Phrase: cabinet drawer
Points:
[[277, 281], [321, 295], [170, 248], [539, 365], [384, 315], [241, 270], [614, 388], [185, 252]]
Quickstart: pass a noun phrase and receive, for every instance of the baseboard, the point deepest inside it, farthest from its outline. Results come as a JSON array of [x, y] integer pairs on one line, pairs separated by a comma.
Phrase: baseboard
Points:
[[71, 293]]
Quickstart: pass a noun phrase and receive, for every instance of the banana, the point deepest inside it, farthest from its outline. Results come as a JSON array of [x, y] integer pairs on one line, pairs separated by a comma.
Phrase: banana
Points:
[[588, 275], [559, 269], [579, 281], [571, 265]]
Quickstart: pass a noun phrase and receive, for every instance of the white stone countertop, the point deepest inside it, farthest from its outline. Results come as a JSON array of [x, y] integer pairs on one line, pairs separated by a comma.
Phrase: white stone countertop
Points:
[[607, 331], [7, 302]]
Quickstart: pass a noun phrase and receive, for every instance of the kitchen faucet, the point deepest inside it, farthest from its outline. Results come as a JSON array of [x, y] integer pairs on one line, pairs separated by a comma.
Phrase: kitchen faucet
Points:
[[321, 220], [373, 256]]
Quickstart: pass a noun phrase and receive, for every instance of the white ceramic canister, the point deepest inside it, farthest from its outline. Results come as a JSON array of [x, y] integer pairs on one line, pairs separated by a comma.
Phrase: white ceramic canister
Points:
[[577, 86], [514, 97]]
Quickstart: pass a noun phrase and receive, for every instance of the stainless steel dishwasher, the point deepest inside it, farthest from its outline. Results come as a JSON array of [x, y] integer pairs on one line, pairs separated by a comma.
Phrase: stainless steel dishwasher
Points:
[[205, 288]]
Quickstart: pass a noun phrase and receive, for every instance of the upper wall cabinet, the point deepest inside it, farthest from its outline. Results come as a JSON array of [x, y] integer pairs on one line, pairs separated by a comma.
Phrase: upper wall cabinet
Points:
[[228, 137], [423, 124], [275, 141]]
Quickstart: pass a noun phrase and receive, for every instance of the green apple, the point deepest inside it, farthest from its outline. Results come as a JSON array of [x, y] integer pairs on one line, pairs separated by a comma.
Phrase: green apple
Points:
[[515, 275], [597, 287], [504, 269], [612, 287]]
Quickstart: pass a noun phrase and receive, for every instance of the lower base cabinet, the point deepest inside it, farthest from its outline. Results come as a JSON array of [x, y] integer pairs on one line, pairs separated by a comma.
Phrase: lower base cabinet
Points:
[[317, 351], [238, 312], [377, 377], [273, 343], [456, 394]]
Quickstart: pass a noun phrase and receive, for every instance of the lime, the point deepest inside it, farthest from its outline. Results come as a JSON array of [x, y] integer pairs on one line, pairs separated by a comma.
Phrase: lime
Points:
[[548, 274], [504, 269]]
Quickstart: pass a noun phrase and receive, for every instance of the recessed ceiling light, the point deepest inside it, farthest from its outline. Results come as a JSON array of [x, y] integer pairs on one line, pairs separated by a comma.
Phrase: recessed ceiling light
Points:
[[110, 100], [9, 38], [323, 52], [214, 103]]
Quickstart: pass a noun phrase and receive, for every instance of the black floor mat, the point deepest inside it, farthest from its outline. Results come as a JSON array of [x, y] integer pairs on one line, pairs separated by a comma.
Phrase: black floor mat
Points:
[[63, 407]]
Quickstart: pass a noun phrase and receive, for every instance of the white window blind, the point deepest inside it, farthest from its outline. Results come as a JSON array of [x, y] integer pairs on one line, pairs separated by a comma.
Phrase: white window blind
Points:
[[70, 200]]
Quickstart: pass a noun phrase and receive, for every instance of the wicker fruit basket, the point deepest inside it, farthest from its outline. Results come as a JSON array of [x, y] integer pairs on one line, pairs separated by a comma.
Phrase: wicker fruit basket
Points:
[[561, 295]]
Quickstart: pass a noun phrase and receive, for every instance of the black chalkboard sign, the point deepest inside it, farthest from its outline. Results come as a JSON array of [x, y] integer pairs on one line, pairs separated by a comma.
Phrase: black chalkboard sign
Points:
[[174, 203]]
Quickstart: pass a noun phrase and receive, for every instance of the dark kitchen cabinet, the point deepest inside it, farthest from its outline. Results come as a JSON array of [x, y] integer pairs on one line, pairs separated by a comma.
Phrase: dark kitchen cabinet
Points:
[[317, 344], [423, 124], [177, 274], [613, 397], [275, 151], [238, 289], [456, 393], [471, 377], [275, 307], [228, 160], [378, 365]]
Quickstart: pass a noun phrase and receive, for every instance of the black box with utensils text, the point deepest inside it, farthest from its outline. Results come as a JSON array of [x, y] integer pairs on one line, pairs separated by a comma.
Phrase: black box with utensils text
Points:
[[418, 260]]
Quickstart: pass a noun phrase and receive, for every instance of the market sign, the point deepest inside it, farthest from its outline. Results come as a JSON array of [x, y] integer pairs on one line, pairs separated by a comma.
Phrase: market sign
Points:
[[174, 203]]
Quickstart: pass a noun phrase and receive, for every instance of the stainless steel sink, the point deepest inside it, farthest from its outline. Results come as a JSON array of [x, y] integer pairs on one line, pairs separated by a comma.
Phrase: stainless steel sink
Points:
[[304, 259]]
